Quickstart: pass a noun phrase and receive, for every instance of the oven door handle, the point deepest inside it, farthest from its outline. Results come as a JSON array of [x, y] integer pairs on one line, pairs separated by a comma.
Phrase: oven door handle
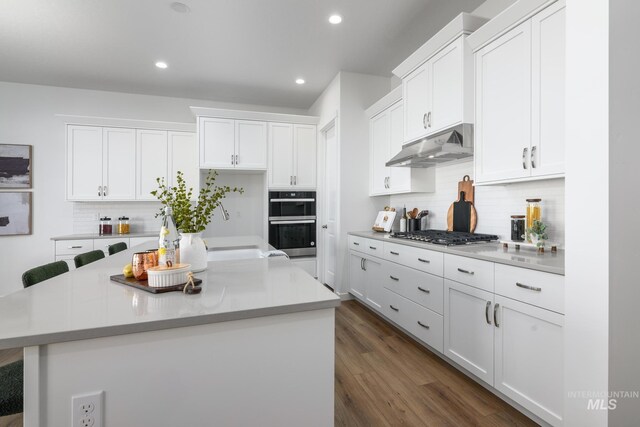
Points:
[[292, 200], [306, 221]]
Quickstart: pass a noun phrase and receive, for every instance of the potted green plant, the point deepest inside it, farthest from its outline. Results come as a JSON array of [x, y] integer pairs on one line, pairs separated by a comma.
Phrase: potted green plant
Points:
[[538, 233], [192, 217]]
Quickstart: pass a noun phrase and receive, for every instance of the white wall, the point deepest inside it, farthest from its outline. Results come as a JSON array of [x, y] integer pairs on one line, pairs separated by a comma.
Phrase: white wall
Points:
[[494, 204], [27, 116], [587, 200]]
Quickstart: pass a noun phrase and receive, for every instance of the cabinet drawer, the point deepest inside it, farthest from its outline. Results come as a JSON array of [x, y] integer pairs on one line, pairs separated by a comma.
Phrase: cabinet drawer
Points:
[[426, 325], [469, 271], [103, 244], [394, 306], [73, 247], [358, 243], [420, 287], [418, 258], [533, 287]]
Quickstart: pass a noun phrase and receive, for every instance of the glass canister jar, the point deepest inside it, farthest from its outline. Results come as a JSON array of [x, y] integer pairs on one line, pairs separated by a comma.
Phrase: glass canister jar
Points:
[[517, 228], [534, 212], [105, 228], [123, 225]]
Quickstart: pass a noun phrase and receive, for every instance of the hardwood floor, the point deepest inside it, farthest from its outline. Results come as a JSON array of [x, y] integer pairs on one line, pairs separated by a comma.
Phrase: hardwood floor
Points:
[[6, 357], [384, 378]]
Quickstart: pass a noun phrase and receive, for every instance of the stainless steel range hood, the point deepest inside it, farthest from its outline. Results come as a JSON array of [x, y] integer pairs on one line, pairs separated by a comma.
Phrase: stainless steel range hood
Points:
[[451, 144]]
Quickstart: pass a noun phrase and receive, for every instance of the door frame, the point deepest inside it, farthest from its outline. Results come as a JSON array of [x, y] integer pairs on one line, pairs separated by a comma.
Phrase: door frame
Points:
[[333, 122]]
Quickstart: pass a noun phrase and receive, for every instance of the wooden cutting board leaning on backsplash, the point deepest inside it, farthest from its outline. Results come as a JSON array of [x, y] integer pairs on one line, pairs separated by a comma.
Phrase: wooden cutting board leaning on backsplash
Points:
[[462, 215]]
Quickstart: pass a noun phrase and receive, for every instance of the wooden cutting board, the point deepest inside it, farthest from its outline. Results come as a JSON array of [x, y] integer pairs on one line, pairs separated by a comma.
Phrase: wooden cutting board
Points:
[[144, 285], [466, 185], [462, 215]]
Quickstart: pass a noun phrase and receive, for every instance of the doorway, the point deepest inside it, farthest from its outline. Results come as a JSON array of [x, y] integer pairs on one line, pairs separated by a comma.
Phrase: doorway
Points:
[[330, 205]]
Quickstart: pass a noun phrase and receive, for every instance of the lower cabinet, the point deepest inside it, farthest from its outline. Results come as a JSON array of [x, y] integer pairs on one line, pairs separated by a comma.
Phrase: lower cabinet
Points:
[[365, 279]]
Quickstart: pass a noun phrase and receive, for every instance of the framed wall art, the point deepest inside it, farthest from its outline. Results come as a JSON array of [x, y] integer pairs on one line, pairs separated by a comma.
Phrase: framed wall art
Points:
[[15, 213], [15, 166]]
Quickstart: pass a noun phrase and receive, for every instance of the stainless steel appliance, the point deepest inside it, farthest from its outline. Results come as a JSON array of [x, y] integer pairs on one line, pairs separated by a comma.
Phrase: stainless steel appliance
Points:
[[448, 238], [292, 222]]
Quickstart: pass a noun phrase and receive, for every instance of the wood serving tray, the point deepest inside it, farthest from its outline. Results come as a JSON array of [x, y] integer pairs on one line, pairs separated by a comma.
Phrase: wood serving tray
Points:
[[144, 285]]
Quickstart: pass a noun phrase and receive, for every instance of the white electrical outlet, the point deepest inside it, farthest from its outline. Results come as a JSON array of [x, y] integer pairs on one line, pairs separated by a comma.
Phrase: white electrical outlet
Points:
[[86, 409]]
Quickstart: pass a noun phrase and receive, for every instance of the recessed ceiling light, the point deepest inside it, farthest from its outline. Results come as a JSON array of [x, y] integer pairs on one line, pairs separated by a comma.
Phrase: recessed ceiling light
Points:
[[431, 156], [161, 64], [300, 81], [335, 19], [180, 7]]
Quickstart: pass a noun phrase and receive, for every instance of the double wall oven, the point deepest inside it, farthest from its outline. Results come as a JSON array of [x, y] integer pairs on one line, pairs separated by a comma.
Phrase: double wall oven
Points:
[[292, 222]]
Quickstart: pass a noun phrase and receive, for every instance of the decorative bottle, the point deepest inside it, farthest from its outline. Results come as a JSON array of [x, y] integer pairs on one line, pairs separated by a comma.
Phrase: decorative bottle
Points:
[[169, 242]]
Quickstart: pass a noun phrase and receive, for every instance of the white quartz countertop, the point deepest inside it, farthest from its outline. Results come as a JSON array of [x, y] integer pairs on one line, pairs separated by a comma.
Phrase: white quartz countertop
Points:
[[526, 258], [109, 236], [85, 303]]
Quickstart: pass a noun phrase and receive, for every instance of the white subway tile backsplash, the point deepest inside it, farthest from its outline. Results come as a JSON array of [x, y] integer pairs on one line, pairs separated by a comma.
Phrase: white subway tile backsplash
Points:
[[141, 215], [494, 204]]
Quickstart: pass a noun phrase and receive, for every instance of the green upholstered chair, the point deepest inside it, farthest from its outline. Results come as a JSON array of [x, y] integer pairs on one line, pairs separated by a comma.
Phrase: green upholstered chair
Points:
[[117, 247], [11, 386], [88, 258], [44, 272]]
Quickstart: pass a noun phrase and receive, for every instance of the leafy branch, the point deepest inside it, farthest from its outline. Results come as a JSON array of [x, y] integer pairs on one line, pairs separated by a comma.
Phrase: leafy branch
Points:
[[192, 217]]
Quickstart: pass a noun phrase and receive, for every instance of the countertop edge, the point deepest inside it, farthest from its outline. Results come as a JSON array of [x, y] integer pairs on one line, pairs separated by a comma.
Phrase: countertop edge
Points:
[[83, 334], [149, 234], [453, 251]]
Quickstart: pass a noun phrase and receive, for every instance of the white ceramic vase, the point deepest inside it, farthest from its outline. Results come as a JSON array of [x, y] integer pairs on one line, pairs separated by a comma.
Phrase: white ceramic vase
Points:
[[193, 251]]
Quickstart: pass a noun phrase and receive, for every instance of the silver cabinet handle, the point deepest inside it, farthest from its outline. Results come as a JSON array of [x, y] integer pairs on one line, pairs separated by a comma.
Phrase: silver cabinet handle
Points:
[[364, 264], [495, 315], [325, 226], [361, 263], [426, 291], [104, 190], [533, 159], [295, 179], [524, 157], [531, 288], [74, 247], [394, 278], [393, 308], [465, 271], [232, 159], [385, 182], [429, 119], [237, 161], [423, 325], [373, 248], [486, 312], [394, 253], [424, 120], [290, 179], [356, 243], [100, 190], [424, 260]]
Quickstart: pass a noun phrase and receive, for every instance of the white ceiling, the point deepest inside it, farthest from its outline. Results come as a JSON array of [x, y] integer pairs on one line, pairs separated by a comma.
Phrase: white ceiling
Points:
[[247, 51]]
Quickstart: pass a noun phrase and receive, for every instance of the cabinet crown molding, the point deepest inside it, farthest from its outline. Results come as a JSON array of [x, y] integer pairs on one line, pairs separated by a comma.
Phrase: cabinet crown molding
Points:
[[115, 122], [383, 103], [254, 115], [462, 24]]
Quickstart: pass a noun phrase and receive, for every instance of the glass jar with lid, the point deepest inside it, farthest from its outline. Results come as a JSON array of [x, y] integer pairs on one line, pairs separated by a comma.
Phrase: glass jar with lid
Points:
[[517, 228], [534, 213], [123, 225], [105, 228]]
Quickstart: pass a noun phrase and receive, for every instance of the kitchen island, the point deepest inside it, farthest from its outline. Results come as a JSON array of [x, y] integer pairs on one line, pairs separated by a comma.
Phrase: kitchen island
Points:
[[255, 347]]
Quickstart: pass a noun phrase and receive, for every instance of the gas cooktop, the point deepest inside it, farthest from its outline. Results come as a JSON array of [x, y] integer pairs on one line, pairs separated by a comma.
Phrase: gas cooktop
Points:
[[442, 237]]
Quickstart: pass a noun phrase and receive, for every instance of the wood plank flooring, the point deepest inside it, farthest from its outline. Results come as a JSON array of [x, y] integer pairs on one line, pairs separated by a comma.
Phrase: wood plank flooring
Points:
[[384, 378], [6, 357]]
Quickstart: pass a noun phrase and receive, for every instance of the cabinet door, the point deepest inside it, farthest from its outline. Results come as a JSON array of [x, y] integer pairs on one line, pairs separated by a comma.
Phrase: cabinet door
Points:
[[356, 275], [151, 156], [84, 163], [379, 139], [548, 90], [468, 328], [280, 170], [373, 282], [416, 96], [118, 164], [304, 156], [446, 86], [251, 144], [183, 157], [529, 357], [217, 143], [503, 107], [399, 177]]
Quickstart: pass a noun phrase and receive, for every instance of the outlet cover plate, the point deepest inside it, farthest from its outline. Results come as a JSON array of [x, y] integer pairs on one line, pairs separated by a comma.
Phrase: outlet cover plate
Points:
[[86, 409]]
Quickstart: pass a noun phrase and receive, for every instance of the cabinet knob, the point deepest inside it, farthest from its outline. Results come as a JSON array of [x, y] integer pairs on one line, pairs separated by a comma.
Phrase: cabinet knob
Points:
[[325, 226]]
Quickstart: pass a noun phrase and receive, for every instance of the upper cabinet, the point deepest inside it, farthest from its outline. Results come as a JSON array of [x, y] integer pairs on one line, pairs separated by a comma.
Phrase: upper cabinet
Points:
[[119, 164], [232, 144], [437, 81], [519, 102], [292, 156], [385, 141]]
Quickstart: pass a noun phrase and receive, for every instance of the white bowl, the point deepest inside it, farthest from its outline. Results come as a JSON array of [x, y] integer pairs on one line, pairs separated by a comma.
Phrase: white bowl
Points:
[[162, 277]]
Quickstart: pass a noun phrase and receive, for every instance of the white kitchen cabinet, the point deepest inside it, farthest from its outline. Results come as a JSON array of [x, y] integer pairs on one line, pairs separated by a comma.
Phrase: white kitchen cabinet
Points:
[[118, 164], [417, 103], [84, 162], [468, 328], [385, 141], [292, 156], [152, 158], [529, 357], [232, 144], [519, 124], [183, 156], [365, 279], [356, 275]]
